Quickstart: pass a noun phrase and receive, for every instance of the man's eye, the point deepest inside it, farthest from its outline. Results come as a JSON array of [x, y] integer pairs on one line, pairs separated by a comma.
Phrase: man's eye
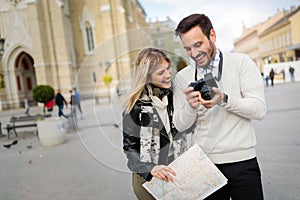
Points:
[[198, 44]]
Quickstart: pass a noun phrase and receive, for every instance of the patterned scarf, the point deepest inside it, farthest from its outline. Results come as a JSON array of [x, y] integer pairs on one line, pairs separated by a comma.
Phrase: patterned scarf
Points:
[[159, 92], [150, 131]]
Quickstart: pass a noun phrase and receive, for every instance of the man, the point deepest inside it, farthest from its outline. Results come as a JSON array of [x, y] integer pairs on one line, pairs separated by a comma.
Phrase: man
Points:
[[78, 102], [292, 70], [224, 130], [60, 101]]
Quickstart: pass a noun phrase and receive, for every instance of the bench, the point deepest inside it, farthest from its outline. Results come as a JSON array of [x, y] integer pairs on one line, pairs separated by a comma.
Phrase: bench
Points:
[[23, 122]]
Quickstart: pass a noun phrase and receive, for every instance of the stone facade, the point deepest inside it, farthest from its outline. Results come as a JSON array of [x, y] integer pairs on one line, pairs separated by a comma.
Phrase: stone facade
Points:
[[274, 40], [68, 43]]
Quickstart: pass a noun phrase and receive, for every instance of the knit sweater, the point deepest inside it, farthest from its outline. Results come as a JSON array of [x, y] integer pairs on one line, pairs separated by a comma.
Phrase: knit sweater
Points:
[[225, 133]]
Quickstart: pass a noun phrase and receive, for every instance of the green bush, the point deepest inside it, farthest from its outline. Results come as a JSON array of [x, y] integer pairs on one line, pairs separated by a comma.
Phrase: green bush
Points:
[[43, 93]]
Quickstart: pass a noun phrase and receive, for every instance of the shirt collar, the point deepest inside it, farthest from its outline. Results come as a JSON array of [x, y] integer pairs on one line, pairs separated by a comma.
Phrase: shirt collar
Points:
[[213, 65]]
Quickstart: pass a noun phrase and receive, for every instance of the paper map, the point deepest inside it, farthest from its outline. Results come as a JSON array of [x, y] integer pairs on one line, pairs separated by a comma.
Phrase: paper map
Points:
[[196, 178]]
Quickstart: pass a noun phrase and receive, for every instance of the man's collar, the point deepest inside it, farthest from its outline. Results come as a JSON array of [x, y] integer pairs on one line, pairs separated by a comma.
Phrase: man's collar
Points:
[[214, 63]]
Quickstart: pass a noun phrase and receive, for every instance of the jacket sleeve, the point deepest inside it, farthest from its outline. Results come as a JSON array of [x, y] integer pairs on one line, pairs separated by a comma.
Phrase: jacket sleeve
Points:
[[131, 144]]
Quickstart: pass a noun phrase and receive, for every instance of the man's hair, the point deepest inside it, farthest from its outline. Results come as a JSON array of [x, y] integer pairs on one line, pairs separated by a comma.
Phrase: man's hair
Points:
[[193, 20]]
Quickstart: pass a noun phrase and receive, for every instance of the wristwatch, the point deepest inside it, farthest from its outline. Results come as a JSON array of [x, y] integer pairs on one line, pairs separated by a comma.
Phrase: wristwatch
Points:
[[225, 100]]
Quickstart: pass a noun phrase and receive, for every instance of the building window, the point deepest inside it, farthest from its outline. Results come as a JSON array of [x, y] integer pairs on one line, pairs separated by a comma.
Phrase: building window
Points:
[[25, 64], [89, 36], [29, 84], [19, 83], [2, 82], [94, 77]]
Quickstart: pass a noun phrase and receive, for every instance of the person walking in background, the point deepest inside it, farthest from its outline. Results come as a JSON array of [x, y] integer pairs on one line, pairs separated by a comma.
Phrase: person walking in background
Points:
[[49, 106], [77, 94], [60, 101], [26, 106], [150, 140], [292, 70], [271, 76], [267, 80], [74, 104], [224, 129]]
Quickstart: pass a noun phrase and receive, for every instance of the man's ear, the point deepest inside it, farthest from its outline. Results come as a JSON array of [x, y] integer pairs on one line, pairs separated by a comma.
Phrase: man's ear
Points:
[[212, 35]]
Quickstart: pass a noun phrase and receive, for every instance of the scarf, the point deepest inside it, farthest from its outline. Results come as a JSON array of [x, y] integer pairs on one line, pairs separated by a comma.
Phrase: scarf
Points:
[[159, 92]]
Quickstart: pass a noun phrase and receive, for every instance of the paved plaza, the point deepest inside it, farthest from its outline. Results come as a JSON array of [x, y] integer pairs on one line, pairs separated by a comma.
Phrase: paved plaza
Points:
[[91, 165]]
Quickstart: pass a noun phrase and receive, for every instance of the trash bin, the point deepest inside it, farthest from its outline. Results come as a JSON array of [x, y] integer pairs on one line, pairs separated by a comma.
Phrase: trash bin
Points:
[[51, 131]]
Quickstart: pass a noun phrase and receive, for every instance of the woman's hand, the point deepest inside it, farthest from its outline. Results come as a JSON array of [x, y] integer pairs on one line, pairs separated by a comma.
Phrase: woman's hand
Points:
[[163, 172]]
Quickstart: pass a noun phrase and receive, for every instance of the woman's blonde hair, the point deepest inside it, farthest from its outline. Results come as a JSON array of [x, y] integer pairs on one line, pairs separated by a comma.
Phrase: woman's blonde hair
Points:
[[145, 64]]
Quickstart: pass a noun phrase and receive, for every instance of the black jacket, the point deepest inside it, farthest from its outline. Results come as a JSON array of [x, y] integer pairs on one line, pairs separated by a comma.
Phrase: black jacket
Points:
[[131, 140], [60, 100]]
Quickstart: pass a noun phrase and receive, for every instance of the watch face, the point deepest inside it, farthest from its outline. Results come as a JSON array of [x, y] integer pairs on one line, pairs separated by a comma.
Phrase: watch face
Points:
[[225, 98]]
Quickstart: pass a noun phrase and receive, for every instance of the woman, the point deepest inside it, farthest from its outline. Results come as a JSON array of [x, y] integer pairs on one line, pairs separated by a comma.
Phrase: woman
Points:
[[150, 140]]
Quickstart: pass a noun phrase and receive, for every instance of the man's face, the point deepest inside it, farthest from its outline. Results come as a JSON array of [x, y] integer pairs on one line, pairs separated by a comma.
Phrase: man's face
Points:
[[198, 46]]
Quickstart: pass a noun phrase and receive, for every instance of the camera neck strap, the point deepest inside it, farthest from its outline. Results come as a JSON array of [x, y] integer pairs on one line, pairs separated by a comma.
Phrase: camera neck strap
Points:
[[219, 68]]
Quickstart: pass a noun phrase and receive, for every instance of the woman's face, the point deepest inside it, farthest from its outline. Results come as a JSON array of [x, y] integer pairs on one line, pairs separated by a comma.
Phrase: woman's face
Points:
[[162, 75]]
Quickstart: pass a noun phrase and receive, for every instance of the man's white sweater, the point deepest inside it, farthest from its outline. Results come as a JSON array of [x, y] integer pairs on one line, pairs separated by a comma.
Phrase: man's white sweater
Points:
[[225, 133]]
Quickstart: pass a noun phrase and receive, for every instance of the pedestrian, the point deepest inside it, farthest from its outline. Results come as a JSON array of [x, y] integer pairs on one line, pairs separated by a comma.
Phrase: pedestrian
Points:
[[74, 104], [49, 106], [267, 80], [150, 140], [292, 71], [26, 106], [60, 101], [271, 76], [77, 94], [224, 129]]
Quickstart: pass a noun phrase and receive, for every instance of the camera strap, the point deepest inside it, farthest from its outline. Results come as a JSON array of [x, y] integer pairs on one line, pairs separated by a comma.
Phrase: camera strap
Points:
[[219, 68]]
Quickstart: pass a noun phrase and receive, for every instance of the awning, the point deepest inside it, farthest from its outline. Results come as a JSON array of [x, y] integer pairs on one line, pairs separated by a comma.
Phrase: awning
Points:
[[296, 46]]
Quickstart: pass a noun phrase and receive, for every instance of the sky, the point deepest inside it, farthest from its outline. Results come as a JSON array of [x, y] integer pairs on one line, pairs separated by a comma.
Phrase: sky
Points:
[[227, 16]]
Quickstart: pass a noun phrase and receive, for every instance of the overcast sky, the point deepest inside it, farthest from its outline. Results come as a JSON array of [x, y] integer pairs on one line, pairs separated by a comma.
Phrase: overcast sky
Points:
[[227, 16]]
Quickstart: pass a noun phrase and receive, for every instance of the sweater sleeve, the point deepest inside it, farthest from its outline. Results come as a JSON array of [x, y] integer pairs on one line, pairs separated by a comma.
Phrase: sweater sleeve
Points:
[[250, 101], [184, 114]]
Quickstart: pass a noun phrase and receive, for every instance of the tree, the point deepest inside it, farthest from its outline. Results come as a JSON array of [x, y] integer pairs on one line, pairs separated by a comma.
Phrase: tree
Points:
[[43, 93]]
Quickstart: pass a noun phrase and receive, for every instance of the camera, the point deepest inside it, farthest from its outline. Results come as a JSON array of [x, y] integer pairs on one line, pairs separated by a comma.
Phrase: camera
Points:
[[204, 86]]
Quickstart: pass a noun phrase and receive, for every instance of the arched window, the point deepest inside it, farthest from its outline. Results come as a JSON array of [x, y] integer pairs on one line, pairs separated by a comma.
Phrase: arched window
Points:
[[89, 36], [2, 82]]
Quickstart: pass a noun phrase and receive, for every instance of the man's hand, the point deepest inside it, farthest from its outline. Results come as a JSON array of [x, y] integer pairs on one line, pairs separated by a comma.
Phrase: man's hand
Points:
[[218, 97], [195, 100], [193, 97]]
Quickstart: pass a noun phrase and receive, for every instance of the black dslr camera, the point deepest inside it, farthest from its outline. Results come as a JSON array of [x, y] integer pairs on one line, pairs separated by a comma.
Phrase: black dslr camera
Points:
[[204, 86]]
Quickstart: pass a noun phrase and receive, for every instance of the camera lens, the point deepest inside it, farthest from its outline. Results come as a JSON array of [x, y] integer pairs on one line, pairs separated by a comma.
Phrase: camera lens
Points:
[[206, 92]]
